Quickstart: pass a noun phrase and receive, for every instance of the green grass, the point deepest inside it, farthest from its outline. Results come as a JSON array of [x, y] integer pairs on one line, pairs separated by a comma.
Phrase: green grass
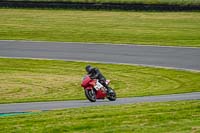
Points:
[[168, 2], [26, 80], [152, 28], [173, 117]]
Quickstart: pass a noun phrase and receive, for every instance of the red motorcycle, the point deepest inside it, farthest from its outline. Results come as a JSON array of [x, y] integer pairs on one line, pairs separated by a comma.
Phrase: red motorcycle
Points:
[[95, 90]]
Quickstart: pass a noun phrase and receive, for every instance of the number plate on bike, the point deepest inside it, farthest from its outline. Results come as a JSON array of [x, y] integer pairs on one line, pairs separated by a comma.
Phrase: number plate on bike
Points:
[[98, 85]]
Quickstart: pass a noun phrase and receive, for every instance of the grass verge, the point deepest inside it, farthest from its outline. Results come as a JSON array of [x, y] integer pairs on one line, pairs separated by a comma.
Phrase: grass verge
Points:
[[26, 80], [173, 117], [152, 28]]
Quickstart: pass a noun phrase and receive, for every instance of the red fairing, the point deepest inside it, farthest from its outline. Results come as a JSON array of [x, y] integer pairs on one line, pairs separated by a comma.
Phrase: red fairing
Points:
[[100, 94], [86, 81]]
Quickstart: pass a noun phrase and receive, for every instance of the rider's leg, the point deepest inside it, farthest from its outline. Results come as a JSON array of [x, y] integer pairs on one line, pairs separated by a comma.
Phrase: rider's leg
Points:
[[103, 82]]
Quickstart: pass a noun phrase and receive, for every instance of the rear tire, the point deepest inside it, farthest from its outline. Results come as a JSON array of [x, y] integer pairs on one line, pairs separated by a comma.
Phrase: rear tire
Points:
[[112, 96], [91, 95]]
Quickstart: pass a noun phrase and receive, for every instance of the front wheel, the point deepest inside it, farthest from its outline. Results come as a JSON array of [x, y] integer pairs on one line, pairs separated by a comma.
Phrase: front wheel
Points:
[[112, 95], [91, 95]]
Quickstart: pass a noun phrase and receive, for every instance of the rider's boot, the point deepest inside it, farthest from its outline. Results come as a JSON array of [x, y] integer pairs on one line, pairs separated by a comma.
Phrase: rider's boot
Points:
[[109, 91]]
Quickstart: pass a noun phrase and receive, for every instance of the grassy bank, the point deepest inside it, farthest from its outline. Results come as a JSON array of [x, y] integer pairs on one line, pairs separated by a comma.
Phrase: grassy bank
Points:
[[167, 2], [46, 80], [152, 28], [173, 117]]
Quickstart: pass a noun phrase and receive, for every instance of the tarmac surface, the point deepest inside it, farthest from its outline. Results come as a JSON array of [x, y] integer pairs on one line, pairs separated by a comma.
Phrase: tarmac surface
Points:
[[171, 57], [56, 105]]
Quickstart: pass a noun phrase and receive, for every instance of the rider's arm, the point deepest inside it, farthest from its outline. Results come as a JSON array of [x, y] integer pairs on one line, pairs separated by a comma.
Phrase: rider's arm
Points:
[[97, 72], [94, 73]]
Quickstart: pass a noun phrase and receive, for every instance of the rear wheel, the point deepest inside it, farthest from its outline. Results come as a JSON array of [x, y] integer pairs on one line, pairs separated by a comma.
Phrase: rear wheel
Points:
[[112, 95], [91, 95]]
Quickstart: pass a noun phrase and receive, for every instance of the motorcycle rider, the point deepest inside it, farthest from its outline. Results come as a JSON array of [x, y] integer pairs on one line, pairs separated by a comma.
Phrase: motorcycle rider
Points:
[[94, 73]]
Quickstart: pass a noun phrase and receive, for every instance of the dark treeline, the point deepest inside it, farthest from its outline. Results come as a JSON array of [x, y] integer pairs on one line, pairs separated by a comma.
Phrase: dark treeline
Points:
[[98, 6]]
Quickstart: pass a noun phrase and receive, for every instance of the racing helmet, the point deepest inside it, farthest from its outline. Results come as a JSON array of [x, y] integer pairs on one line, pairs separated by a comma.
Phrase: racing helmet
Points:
[[88, 68]]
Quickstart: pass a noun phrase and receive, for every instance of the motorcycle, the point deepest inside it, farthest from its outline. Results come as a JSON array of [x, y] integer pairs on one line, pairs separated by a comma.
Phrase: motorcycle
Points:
[[95, 90]]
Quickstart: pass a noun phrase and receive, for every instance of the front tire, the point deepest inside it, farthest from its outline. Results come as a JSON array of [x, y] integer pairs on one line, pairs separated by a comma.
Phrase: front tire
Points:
[[112, 96], [91, 95]]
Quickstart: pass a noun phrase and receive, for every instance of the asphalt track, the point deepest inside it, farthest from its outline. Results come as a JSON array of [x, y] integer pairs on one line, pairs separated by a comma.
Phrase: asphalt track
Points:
[[170, 57], [42, 106]]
